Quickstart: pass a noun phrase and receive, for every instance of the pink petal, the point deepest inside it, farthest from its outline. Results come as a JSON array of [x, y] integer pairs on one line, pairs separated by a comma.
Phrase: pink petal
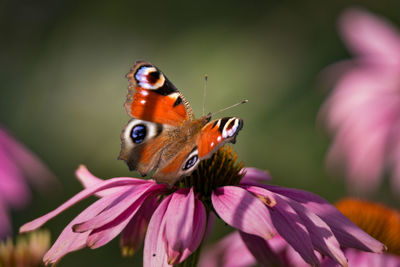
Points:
[[185, 225], [13, 187], [101, 236], [119, 206], [263, 194], [154, 253], [254, 175], [229, 252], [261, 250], [291, 227], [370, 35], [346, 232], [32, 167], [133, 234], [68, 240], [242, 210], [321, 235], [114, 182], [88, 180], [199, 227]]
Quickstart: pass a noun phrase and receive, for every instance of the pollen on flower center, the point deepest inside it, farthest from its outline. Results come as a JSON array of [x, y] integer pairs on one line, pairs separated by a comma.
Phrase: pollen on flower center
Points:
[[377, 220], [221, 169]]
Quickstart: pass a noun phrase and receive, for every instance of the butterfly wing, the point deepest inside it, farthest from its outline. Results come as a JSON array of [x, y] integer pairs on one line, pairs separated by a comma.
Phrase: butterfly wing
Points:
[[211, 137], [157, 107], [217, 133], [152, 97]]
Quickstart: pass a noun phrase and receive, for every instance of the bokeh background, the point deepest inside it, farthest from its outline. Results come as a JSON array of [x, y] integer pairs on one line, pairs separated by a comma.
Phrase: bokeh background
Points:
[[62, 86]]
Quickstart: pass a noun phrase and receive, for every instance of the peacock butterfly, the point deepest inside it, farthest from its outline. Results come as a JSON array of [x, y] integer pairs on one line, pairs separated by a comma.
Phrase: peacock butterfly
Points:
[[163, 134]]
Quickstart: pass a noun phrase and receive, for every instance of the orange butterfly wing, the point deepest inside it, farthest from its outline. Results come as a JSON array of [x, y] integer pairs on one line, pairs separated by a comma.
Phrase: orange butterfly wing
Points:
[[152, 97], [217, 133]]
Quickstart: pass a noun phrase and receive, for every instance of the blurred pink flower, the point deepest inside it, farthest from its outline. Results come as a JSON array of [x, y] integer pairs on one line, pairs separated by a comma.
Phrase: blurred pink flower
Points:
[[363, 110], [17, 165], [234, 250], [177, 225]]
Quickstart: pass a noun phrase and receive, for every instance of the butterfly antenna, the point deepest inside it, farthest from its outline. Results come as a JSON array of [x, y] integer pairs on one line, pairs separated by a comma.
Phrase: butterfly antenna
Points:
[[234, 105], [204, 94]]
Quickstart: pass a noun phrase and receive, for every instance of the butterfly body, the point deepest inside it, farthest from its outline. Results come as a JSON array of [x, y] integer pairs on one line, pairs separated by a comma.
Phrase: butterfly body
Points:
[[163, 134]]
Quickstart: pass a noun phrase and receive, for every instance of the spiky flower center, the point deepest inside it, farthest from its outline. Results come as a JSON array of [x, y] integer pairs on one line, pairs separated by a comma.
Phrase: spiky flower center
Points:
[[221, 169], [377, 220]]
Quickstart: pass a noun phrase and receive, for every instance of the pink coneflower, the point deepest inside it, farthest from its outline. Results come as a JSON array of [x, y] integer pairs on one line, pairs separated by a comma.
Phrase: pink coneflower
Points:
[[177, 217], [237, 250], [17, 166], [363, 110]]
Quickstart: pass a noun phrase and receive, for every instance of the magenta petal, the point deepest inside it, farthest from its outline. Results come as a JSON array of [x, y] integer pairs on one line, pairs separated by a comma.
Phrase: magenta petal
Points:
[[133, 234], [69, 240], [101, 236], [291, 227], [321, 235], [261, 250], [346, 232], [14, 190], [231, 251], [185, 225], [370, 35], [72, 201], [88, 180], [242, 210], [154, 252], [199, 227], [254, 175], [119, 206], [32, 167]]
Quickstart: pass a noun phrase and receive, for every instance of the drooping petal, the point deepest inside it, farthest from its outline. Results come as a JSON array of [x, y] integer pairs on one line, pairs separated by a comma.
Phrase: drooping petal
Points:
[[72, 201], [101, 236], [104, 234], [69, 240], [88, 180], [133, 234], [115, 209], [199, 228], [321, 235], [346, 232], [369, 35], [291, 227], [33, 168], [229, 252], [260, 249], [254, 175], [242, 210], [154, 252], [14, 190], [185, 225]]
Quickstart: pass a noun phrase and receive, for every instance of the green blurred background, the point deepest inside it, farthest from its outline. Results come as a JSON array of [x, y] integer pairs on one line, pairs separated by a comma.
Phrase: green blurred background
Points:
[[62, 85]]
